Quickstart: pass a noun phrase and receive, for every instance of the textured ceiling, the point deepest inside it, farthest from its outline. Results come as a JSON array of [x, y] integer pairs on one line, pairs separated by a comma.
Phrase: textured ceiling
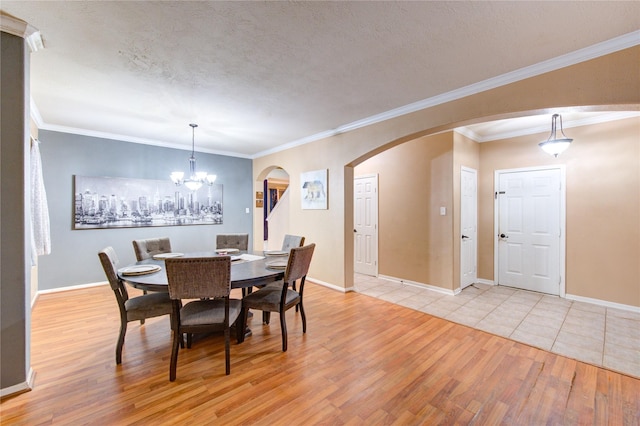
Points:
[[257, 75]]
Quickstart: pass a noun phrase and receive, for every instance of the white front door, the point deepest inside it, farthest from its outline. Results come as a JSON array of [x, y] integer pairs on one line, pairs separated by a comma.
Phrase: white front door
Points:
[[468, 226], [529, 227], [365, 209]]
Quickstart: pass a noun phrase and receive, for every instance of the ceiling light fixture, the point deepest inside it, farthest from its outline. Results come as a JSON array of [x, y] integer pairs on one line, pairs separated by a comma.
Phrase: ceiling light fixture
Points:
[[553, 145], [195, 179]]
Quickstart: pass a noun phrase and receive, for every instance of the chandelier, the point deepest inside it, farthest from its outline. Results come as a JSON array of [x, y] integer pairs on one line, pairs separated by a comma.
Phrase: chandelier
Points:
[[553, 145], [195, 179]]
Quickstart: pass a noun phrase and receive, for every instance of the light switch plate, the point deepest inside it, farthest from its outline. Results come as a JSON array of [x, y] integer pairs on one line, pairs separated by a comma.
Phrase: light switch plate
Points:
[[443, 211]]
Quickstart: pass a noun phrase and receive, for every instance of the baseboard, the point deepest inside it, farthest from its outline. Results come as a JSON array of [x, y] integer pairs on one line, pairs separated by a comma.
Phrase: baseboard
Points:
[[483, 281], [604, 303], [23, 387], [419, 285], [331, 286], [72, 287]]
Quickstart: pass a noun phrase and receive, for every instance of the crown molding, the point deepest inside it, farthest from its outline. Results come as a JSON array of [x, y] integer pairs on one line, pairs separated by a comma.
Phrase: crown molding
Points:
[[600, 49], [133, 139], [18, 27]]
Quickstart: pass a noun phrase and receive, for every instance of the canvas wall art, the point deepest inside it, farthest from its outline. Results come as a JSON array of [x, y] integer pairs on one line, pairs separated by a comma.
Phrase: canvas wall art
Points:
[[314, 194], [107, 202]]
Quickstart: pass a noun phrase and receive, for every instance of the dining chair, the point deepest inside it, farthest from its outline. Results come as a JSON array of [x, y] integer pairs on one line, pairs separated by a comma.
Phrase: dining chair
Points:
[[147, 248], [291, 241], [131, 309], [279, 297], [208, 280], [233, 241]]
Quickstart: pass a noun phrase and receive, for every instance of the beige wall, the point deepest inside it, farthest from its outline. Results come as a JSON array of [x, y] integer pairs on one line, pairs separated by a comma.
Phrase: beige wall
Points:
[[603, 205], [414, 180], [611, 80]]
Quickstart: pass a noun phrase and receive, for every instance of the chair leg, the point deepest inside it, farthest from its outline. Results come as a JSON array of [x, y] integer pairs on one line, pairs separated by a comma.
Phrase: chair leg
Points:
[[244, 314], [283, 327], [174, 355], [304, 317], [227, 351], [120, 344], [189, 340], [266, 317]]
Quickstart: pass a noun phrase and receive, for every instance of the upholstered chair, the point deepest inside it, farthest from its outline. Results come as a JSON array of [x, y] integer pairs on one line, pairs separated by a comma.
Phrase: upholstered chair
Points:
[[291, 241], [232, 241], [208, 281], [280, 296], [149, 247], [135, 308]]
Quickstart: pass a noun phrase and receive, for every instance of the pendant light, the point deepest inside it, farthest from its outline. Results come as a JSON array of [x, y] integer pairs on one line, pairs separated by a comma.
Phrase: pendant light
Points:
[[553, 145], [195, 179]]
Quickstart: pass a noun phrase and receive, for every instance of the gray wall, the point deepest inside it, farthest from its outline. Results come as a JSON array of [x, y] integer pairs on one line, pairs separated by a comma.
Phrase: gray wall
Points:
[[15, 263], [74, 253]]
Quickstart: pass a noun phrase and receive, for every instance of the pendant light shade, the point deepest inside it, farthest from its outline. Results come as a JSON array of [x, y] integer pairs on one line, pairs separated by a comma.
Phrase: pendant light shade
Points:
[[554, 145], [195, 179]]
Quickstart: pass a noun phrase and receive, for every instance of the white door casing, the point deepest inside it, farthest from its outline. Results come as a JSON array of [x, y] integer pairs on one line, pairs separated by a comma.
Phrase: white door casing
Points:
[[366, 225], [468, 226], [529, 241]]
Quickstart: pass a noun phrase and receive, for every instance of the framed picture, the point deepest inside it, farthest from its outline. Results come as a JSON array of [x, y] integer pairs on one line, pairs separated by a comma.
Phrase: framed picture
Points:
[[106, 202], [314, 190]]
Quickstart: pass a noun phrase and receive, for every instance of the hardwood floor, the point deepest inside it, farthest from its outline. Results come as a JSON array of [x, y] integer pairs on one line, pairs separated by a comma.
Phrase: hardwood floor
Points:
[[362, 361]]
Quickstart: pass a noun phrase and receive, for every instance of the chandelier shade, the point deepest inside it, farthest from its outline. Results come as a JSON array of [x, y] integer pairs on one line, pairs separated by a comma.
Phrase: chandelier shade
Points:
[[195, 179], [554, 145]]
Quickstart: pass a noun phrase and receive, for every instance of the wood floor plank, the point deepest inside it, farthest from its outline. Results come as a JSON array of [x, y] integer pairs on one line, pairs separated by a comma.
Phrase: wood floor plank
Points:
[[363, 361]]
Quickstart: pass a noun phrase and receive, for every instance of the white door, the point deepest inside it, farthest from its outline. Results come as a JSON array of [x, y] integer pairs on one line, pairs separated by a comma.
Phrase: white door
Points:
[[529, 229], [468, 226], [365, 208]]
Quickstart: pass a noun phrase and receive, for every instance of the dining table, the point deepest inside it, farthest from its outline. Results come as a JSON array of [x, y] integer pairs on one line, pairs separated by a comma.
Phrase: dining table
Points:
[[247, 270]]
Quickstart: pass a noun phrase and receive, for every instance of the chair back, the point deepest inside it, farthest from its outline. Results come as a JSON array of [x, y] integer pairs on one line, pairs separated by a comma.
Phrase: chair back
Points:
[[298, 264], [109, 261], [199, 277], [149, 247], [236, 241], [291, 241]]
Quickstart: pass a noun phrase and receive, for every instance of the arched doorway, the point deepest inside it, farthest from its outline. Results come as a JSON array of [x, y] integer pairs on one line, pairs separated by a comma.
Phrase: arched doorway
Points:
[[273, 201]]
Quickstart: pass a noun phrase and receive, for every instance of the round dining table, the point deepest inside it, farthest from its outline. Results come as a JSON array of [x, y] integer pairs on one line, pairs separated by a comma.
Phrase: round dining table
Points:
[[244, 273]]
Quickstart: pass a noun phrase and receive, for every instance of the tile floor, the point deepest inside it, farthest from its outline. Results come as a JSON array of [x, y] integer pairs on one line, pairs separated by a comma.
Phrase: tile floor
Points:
[[595, 334]]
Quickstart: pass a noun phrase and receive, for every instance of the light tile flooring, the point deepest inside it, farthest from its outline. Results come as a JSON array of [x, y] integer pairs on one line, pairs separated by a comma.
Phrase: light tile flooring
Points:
[[587, 332]]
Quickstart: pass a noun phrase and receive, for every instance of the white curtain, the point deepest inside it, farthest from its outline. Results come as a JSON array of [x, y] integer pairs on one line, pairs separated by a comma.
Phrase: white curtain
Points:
[[40, 231]]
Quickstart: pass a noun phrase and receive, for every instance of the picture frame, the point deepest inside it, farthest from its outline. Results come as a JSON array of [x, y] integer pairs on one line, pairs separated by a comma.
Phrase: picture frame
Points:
[[114, 202], [314, 193]]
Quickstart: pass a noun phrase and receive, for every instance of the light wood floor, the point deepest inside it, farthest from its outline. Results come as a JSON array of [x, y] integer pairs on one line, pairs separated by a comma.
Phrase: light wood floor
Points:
[[362, 361]]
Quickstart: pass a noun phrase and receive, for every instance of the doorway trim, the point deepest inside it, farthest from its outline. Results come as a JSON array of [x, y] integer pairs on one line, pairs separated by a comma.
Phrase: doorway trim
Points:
[[475, 225], [375, 223], [563, 220]]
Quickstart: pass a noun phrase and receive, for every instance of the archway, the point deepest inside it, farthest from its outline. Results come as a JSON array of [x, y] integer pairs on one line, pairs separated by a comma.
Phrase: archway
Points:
[[270, 205]]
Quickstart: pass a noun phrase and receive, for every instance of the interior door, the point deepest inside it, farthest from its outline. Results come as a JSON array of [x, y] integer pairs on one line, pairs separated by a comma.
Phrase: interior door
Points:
[[528, 232], [366, 225], [468, 226]]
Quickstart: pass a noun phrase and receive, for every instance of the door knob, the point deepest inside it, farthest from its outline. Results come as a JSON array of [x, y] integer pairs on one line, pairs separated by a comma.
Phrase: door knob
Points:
[[464, 236], [503, 236]]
